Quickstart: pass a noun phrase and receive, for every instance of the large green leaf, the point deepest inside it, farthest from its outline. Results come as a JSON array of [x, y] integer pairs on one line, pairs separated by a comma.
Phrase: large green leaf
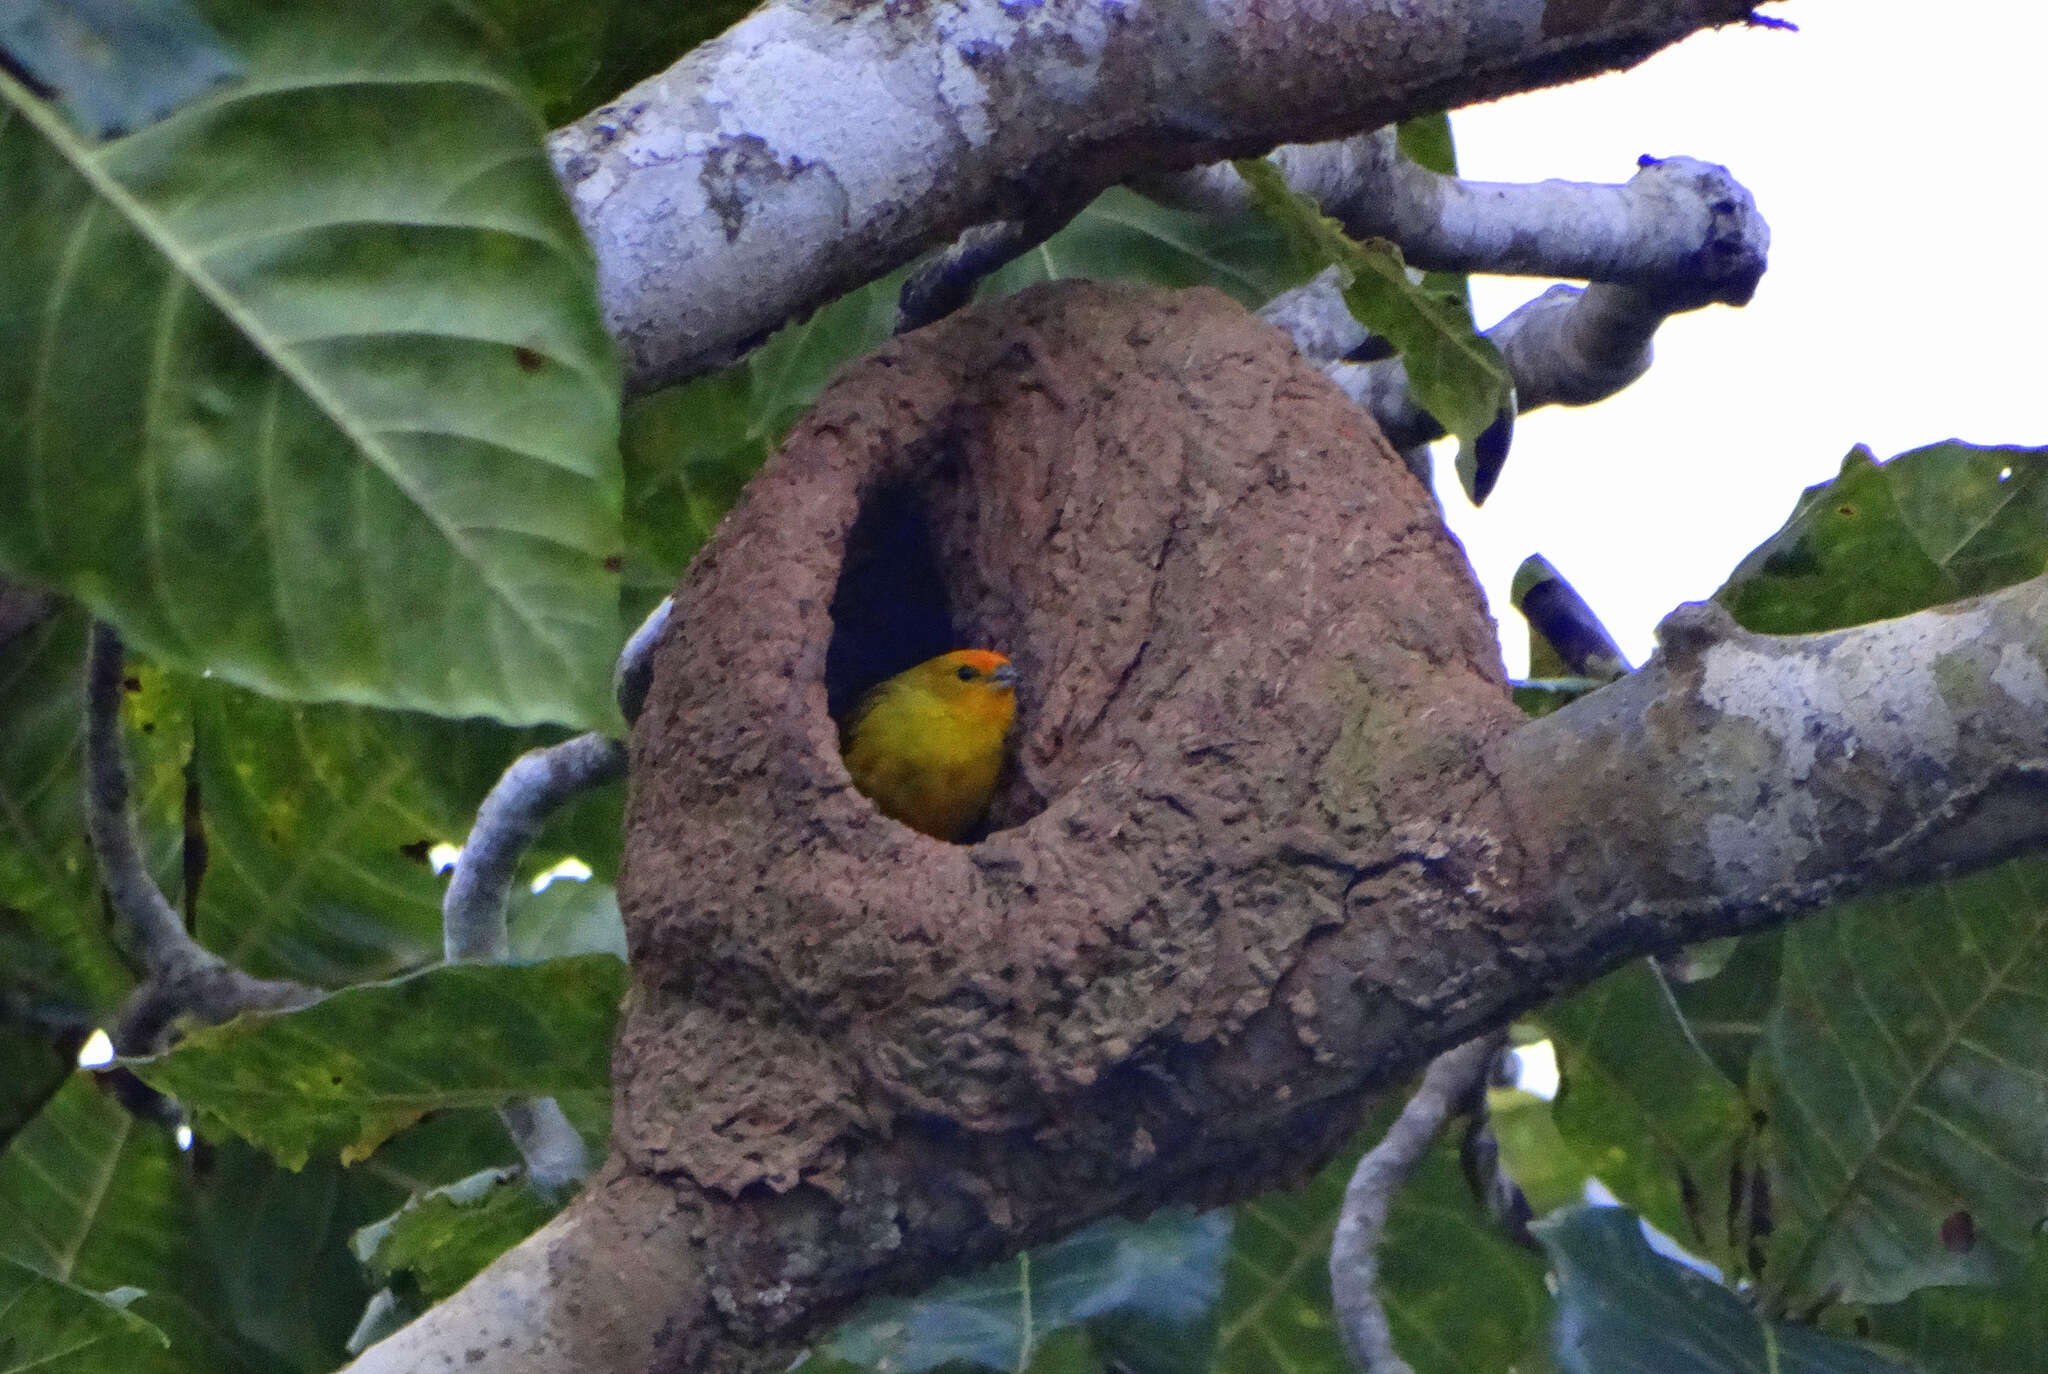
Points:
[[54, 1327], [1648, 1111], [306, 384], [1461, 1298], [1163, 1273], [1942, 522], [1121, 236], [1902, 1072], [341, 1076], [98, 1198], [319, 820], [1623, 1307]]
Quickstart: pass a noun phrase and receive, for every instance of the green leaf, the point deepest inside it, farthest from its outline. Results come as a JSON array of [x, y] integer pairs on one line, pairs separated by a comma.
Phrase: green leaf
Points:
[[1163, 1271], [1532, 1152], [98, 1198], [1901, 1071], [53, 929], [1725, 1011], [1457, 375], [441, 1240], [1971, 1330], [319, 820], [567, 917], [306, 384], [1648, 1111], [691, 449], [116, 64], [1121, 236], [54, 1327], [1460, 1297], [1426, 141], [342, 1075], [1930, 526], [1621, 1306], [35, 1059]]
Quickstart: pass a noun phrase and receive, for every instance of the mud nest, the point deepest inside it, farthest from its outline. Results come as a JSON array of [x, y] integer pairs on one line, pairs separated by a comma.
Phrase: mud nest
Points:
[[1244, 840]]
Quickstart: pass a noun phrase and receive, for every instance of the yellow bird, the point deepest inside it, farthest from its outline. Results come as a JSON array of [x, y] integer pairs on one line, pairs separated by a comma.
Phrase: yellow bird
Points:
[[926, 745]]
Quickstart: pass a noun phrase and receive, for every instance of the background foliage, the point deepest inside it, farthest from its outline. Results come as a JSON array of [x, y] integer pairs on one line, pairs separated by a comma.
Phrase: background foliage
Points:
[[302, 386]]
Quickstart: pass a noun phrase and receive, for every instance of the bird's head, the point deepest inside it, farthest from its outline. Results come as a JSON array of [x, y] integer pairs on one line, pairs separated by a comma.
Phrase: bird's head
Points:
[[979, 681]]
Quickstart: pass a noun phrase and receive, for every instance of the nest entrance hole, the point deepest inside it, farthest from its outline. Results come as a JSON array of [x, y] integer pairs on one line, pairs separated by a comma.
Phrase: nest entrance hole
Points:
[[893, 608]]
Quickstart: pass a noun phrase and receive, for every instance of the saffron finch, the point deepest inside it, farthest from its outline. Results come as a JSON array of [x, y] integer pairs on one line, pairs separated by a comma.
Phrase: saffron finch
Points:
[[926, 745]]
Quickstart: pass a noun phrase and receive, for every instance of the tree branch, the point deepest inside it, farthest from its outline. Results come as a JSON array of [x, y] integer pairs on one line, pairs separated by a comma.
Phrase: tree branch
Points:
[[1683, 230], [181, 976], [813, 148], [511, 815], [1738, 779], [473, 921], [1354, 1259]]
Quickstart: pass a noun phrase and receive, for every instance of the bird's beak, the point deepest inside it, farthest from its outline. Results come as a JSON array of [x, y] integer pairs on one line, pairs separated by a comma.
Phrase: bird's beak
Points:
[[1005, 675]]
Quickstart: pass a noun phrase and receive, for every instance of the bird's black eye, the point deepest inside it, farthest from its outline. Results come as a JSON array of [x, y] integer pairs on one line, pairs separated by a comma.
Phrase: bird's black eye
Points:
[[966, 673]]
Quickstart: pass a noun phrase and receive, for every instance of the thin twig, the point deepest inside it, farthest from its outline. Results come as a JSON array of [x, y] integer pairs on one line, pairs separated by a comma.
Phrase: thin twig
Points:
[[635, 671], [181, 977], [1354, 1263], [941, 286]]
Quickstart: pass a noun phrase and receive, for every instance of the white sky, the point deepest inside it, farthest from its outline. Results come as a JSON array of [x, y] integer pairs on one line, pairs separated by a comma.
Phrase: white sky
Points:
[[1899, 152]]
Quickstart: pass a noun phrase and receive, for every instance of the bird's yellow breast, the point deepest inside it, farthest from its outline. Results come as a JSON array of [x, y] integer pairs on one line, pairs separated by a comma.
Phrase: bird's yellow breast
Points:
[[926, 746]]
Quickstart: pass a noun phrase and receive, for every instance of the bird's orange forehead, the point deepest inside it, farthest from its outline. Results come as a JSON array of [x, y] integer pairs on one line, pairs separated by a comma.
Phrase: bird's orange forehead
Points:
[[981, 660]]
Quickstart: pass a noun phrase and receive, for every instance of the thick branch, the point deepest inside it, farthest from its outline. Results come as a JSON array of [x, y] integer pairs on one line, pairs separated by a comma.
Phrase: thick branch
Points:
[[1738, 778], [815, 147]]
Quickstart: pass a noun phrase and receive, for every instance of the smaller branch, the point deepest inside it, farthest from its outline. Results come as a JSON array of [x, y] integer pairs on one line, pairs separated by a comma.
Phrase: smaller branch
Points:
[[473, 910], [181, 977], [1556, 611], [1683, 229], [1354, 1262], [634, 673], [1681, 234], [947, 282], [538, 782], [473, 923], [156, 931], [1569, 346]]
